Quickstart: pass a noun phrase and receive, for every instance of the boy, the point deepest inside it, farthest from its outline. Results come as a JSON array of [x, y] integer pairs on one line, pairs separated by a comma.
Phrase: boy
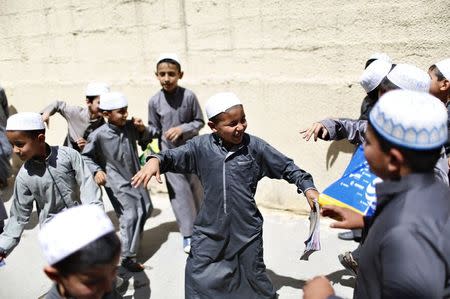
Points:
[[226, 258], [5, 147], [111, 154], [175, 116], [402, 256], [82, 256], [81, 121], [51, 176]]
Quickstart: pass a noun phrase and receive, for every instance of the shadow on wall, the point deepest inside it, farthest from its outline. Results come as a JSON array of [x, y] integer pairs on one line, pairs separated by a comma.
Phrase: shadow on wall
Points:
[[337, 147]]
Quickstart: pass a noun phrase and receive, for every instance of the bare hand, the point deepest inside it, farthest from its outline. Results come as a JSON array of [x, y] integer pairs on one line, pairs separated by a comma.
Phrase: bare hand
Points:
[[46, 118], [143, 176], [138, 124], [318, 130], [81, 142], [173, 134], [100, 178], [312, 195], [345, 217], [318, 288]]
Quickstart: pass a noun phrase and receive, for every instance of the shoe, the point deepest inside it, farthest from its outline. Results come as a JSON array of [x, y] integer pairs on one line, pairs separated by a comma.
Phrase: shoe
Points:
[[347, 236], [187, 244], [131, 265], [349, 263]]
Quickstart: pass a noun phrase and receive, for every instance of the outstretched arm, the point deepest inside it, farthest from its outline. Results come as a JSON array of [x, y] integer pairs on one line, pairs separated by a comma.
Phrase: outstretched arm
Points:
[[143, 176]]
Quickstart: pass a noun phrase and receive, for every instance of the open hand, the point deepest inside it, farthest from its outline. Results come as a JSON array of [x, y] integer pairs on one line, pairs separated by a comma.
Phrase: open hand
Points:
[[143, 176], [317, 130], [345, 217], [318, 288]]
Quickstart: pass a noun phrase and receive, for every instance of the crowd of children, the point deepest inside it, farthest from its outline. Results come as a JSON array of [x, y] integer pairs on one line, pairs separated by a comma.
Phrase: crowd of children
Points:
[[212, 180]]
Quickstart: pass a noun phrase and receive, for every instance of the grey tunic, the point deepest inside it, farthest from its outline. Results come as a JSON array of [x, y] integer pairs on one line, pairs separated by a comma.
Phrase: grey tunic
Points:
[[54, 184], [5, 147], [166, 111], [226, 259], [4, 109], [403, 255], [355, 132], [114, 151], [79, 121]]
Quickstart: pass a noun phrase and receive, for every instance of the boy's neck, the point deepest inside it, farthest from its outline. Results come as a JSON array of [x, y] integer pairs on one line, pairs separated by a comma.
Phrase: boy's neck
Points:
[[172, 92], [44, 152]]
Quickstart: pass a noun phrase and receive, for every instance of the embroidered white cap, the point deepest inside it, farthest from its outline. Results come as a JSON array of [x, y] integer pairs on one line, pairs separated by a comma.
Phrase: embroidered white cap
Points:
[[112, 100], [380, 56], [221, 102], [444, 67], [171, 56], [25, 121], [71, 230], [415, 120], [96, 89], [410, 77], [374, 74]]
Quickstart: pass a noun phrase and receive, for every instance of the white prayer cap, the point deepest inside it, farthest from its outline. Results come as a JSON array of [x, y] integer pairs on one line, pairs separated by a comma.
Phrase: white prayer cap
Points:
[[374, 74], [171, 56], [112, 100], [411, 119], [380, 56], [221, 102], [410, 77], [25, 121], [96, 89], [71, 230], [444, 68]]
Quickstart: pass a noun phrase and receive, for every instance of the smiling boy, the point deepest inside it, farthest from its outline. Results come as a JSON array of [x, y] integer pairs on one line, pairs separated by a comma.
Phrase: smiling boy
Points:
[[226, 259]]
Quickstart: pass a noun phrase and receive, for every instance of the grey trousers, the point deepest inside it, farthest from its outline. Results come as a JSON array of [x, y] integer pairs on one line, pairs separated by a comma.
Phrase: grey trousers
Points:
[[185, 193]]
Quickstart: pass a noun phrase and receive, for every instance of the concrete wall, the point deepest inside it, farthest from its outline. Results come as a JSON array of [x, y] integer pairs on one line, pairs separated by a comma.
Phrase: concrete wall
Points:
[[291, 62]]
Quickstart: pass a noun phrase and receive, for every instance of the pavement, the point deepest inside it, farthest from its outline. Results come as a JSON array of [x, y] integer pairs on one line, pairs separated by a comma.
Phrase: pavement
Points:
[[164, 260]]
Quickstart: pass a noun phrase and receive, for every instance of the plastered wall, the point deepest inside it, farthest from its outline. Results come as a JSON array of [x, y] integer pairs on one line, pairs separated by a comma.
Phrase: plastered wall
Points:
[[291, 62]]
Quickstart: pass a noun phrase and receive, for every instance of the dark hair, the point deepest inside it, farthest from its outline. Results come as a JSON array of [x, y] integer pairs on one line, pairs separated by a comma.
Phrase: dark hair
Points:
[[419, 161], [368, 62], [99, 252], [386, 85], [33, 134], [90, 99], [215, 119], [437, 72], [171, 61]]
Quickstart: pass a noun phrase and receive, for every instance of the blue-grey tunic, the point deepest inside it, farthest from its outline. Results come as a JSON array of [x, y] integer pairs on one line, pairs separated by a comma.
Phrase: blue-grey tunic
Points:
[[79, 121], [57, 183], [114, 150], [226, 259], [178, 109]]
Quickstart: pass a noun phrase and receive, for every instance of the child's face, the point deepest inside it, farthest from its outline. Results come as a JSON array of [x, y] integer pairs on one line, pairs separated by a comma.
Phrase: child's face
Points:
[[231, 125], [168, 75], [117, 117], [377, 159], [93, 283], [25, 146], [93, 106]]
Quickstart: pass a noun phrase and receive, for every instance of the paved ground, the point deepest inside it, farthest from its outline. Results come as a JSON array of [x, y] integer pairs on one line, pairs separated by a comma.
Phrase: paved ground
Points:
[[161, 251]]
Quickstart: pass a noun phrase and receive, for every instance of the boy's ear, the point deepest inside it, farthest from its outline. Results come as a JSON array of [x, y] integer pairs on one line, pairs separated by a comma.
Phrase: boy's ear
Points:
[[41, 137], [396, 162], [181, 75], [445, 85], [52, 273], [212, 125], [156, 74]]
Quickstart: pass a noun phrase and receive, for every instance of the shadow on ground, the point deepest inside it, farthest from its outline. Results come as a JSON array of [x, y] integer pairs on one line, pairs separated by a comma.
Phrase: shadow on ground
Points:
[[343, 278], [280, 281], [153, 238]]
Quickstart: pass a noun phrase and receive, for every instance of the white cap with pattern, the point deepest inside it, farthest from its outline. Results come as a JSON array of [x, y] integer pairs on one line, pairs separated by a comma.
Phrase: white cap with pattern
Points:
[[444, 67], [221, 102], [411, 119], [96, 89], [71, 230], [410, 77], [374, 74], [112, 100], [25, 121]]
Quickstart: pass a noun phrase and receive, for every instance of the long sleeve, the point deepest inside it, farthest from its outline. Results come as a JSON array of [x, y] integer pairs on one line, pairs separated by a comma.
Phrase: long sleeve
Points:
[[57, 106], [277, 166], [154, 121], [352, 130], [21, 208], [144, 138], [191, 129], [90, 156], [89, 191], [4, 112], [411, 268], [180, 159]]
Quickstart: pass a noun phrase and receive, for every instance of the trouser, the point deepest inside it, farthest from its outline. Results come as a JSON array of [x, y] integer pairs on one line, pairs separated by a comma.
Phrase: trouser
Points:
[[132, 213], [185, 193]]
